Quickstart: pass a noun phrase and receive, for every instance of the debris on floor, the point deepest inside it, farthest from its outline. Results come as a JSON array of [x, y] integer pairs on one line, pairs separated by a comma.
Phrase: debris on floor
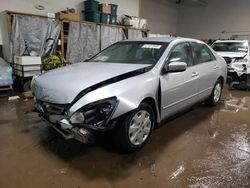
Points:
[[63, 170], [179, 170], [13, 98], [153, 169]]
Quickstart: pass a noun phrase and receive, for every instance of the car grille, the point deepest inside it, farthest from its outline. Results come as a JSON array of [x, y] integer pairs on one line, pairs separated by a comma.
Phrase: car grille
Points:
[[49, 108], [228, 60]]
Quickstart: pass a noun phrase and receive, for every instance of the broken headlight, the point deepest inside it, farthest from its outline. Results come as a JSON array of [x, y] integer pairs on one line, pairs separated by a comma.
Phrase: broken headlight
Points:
[[77, 118], [95, 114]]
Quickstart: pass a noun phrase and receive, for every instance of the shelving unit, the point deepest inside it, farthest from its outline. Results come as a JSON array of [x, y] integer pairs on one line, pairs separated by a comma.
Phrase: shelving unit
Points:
[[5, 88], [10, 14], [64, 34], [64, 28], [144, 31]]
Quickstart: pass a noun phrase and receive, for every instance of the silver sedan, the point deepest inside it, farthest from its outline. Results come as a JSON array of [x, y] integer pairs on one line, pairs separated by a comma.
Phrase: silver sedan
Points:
[[129, 88]]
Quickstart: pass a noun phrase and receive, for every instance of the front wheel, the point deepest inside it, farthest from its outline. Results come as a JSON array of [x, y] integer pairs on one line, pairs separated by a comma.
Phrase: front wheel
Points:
[[215, 96], [133, 130]]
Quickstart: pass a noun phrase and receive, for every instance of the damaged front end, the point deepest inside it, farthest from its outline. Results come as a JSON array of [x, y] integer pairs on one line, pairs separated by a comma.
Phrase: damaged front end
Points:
[[81, 124], [239, 74]]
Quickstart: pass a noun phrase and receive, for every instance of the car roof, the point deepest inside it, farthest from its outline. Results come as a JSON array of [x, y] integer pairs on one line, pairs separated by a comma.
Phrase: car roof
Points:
[[161, 39]]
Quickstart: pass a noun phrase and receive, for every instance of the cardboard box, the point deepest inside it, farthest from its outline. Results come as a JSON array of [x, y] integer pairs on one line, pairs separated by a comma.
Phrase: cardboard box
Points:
[[105, 8], [66, 15]]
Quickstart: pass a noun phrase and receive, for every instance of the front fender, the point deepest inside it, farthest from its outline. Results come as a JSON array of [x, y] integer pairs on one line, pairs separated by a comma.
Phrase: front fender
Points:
[[129, 92]]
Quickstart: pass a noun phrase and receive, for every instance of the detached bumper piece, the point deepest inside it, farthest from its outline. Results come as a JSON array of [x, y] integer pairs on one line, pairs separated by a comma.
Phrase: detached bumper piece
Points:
[[70, 132]]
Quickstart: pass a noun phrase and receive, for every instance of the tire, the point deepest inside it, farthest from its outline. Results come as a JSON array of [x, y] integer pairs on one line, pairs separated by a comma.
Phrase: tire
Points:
[[131, 135], [215, 96]]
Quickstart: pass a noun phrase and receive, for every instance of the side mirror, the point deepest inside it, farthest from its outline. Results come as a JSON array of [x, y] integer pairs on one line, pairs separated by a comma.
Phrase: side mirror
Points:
[[175, 67]]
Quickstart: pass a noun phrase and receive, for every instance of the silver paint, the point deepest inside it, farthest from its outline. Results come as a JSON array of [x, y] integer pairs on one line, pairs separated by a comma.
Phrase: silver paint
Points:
[[178, 90]]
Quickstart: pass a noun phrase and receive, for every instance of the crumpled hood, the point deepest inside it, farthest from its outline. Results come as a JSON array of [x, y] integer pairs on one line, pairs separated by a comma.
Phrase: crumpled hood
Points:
[[232, 54], [61, 86]]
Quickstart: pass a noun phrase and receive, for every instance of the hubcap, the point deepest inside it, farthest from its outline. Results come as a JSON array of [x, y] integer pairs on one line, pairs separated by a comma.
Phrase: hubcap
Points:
[[217, 92], [139, 127]]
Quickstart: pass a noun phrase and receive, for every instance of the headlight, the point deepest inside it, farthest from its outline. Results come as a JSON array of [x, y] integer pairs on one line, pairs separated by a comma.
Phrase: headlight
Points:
[[77, 118], [95, 114]]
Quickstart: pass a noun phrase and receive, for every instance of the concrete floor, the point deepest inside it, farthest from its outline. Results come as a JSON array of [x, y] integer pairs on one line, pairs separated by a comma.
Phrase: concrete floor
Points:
[[205, 147]]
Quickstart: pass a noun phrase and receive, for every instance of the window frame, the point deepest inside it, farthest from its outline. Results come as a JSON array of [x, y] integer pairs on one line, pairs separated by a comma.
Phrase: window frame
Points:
[[171, 50]]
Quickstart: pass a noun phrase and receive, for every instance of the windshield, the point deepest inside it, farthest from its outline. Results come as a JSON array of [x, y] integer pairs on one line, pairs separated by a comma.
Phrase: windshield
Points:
[[230, 46], [132, 53]]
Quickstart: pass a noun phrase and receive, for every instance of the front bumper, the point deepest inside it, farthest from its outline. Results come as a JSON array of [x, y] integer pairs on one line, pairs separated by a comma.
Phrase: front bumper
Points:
[[57, 117], [70, 132]]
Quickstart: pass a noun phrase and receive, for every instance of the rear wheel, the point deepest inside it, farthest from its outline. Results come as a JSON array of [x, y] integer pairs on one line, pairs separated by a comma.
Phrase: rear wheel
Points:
[[215, 96], [135, 128]]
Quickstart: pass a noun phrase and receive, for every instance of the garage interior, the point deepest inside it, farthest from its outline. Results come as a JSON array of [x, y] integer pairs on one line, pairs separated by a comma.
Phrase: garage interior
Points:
[[202, 147]]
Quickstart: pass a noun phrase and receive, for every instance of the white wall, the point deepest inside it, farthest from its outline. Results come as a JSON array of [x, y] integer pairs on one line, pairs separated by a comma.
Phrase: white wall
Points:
[[209, 22], [162, 15], [130, 7]]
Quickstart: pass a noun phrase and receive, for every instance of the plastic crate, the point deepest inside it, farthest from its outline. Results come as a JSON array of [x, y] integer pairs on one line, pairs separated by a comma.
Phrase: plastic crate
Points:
[[113, 19], [92, 16], [91, 5], [114, 9], [105, 18]]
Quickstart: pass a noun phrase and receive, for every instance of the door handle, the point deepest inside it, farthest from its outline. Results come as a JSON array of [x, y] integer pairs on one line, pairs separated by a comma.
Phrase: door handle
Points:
[[195, 74]]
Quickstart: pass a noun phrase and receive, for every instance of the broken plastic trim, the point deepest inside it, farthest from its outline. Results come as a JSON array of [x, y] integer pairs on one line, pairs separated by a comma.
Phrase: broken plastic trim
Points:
[[108, 82]]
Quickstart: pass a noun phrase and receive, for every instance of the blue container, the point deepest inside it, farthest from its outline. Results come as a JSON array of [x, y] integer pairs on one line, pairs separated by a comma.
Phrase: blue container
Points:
[[91, 5], [114, 9], [105, 18], [113, 19], [92, 16]]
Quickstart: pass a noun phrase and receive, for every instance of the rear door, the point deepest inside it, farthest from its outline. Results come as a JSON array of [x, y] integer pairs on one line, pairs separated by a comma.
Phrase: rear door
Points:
[[179, 89], [206, 66]]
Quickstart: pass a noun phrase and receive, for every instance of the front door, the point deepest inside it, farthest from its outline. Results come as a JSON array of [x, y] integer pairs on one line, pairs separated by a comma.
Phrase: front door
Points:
[[179, 90]]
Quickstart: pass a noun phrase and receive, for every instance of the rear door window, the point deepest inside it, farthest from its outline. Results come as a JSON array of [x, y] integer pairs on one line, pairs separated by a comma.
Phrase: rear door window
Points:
[[201, 53]]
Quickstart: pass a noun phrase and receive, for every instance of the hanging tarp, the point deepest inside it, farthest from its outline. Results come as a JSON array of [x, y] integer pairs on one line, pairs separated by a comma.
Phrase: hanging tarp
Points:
[[38, 35], [134, 34], [110, 35], [83, 41]]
